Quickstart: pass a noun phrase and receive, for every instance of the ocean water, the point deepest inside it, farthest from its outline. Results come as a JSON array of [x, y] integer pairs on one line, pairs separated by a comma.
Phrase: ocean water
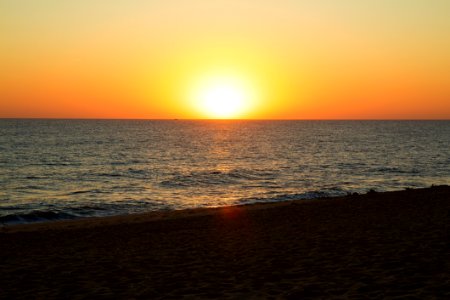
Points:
[[64, 169]]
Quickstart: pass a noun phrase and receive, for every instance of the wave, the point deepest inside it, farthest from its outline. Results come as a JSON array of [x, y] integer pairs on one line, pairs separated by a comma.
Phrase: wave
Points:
[[87, 192], [56, 164], [295, 196], [35, 216], [394, 170], [217, 177], [45, 212], [109, 175]]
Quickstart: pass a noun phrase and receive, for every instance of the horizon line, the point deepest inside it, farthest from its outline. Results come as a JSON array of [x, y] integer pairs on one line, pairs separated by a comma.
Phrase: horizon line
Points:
[[206, 119]]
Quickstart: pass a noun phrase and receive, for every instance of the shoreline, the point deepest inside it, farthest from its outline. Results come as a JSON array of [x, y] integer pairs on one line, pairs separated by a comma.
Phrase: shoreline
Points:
[[376, 245], [150, 216], [168, 214], [171, 214]]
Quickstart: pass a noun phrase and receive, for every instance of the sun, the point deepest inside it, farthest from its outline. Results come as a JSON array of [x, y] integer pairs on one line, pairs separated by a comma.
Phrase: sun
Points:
[[223, 100], [223, 97]]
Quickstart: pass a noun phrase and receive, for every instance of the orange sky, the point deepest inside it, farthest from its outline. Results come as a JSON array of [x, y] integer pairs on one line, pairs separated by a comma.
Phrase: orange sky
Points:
[[323, 59]]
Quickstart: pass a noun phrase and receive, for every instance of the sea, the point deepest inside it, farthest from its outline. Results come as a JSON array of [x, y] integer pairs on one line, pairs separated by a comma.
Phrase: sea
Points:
[[65, 169]]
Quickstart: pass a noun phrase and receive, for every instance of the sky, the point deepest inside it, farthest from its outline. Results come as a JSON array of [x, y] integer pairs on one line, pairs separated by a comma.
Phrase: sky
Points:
[[322, 59]]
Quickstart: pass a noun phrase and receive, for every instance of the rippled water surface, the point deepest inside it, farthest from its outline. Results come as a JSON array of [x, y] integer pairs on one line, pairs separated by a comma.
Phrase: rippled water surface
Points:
[[56, 169]]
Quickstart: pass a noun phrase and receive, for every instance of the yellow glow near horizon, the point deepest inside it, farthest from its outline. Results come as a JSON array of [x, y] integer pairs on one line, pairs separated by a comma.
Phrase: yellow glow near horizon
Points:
[[223, 97], [218, 79]]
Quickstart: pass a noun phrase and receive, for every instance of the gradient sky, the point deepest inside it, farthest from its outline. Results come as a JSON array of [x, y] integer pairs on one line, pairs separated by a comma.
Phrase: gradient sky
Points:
[[321, 59]]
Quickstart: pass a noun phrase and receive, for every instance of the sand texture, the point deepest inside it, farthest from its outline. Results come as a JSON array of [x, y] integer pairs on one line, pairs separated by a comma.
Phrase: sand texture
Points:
[[392, 245]]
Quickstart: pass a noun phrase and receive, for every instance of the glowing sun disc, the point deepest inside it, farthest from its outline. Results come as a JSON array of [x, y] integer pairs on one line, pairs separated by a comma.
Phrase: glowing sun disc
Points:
[[223, 97]]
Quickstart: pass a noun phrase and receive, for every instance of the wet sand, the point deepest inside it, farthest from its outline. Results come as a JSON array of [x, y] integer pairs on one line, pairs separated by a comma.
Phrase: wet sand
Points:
[[380, 245]]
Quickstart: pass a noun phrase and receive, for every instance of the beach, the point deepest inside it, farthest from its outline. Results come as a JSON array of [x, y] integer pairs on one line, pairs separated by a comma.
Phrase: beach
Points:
[[378, 245]]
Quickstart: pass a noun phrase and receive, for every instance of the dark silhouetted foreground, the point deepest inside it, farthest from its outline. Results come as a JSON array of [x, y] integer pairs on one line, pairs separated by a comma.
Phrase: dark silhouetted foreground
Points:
[[379, 245]]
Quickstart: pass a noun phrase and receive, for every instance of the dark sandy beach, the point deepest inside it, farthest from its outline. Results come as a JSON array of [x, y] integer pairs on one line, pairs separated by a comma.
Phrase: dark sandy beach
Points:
[[381, 245]]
